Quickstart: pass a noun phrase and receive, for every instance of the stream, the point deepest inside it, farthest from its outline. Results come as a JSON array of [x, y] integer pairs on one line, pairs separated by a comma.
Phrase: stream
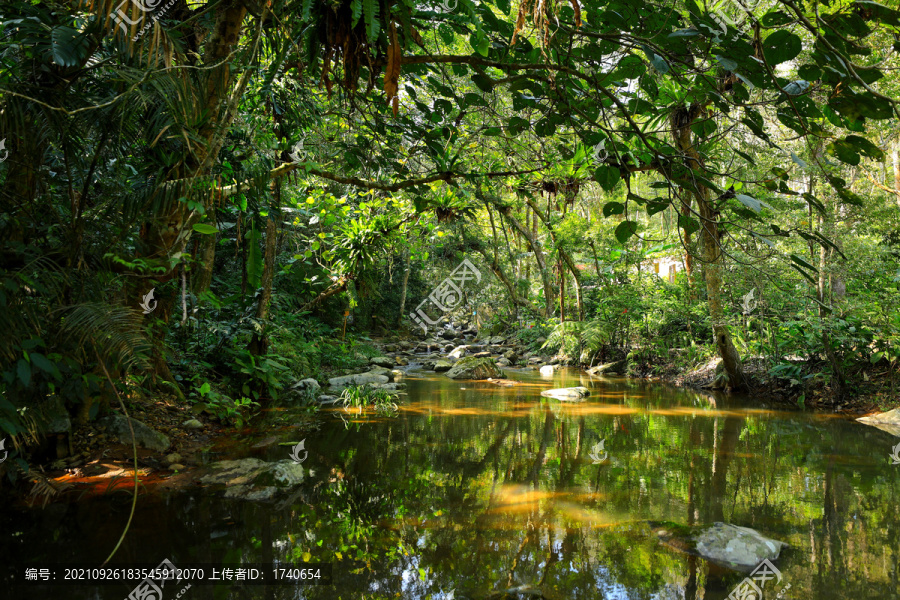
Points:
[[475, 489]]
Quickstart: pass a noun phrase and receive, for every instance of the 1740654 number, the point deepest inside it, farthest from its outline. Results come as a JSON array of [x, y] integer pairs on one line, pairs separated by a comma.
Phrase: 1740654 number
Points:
[[301, 574]]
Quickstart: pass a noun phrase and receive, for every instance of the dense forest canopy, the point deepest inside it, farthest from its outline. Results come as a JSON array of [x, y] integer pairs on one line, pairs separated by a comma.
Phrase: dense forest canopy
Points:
[[263, 169]]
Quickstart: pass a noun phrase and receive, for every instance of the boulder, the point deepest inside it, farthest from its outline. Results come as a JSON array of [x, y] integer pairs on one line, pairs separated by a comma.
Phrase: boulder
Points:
[[497, 339], [737, 547], [471, 367], [481, 354], [547, 370], [449, 334], [887, 421], [145, 437], [193, 424], [308, 386], [173, 458], [503, 362], [397, 375], [381, 371], [402, 362], [358, 379], [617, 366], [382, 361], [254, 479], [511, 356], [406, 345], [389, 348], [458, 352], [56, 416], [326, 399], [535, 360], [573, 394], [442, 365]]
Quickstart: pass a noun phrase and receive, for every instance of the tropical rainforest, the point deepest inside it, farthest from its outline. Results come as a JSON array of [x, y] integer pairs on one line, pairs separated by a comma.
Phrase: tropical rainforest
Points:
[[205, 203]]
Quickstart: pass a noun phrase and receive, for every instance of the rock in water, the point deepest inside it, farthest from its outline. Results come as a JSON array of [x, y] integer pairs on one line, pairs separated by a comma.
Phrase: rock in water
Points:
[[471, 367], [358, 379], [574, 394], [382, 361], [144, 436], [887, 421], [547, 370], [617, 366], [442, 365], [740, 548], [458, 352]]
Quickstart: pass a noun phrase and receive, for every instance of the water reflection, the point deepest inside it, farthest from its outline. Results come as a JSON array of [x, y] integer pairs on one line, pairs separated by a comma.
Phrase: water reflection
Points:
[[490, 488]]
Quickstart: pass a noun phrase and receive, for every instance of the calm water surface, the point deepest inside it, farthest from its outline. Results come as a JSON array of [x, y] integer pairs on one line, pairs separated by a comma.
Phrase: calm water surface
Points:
[[474, 489]]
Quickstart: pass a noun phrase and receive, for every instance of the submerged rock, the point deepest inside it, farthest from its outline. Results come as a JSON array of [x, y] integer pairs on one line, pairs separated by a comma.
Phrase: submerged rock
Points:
[[442, 365], [573, 394], [887, 421], [737, 547], [475, 368], [731, 546], [144, 436], [255, 479]]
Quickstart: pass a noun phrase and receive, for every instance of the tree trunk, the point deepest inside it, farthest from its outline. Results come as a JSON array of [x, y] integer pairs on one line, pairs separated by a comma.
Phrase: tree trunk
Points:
[[207, 259], [567, 258], [538, 255], [406, 256], [259, 344], [711, 251]]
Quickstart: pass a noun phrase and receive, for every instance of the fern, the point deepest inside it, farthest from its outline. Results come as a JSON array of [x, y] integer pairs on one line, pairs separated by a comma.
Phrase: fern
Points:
[[306, 10], [355, 12], [373, 25]]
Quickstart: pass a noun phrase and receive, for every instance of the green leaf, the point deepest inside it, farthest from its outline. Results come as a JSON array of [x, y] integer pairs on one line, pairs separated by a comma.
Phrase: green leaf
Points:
[[607, 177], [625, 230], [483, 82], [613, 208], [205, 228], [803, 263], [656, 60], [781, 46], [876, 357], [655, 207], [689, 224], [42, 363], [24, 371], [750, 202]]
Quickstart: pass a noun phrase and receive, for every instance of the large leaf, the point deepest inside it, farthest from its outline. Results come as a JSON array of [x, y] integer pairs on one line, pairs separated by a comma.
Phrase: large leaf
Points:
[[781, 46], [607, 177], [625, 230]]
